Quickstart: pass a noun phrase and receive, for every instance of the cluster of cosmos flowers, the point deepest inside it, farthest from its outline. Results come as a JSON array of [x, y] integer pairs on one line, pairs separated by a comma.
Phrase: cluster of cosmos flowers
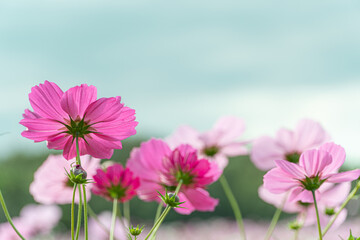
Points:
[[302, 165]]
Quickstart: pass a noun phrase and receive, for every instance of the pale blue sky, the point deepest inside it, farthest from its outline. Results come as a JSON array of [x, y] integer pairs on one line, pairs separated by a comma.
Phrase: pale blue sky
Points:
[[189, 62]]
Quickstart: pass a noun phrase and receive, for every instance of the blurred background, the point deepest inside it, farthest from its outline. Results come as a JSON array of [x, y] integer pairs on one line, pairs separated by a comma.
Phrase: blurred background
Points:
[[183, 62]]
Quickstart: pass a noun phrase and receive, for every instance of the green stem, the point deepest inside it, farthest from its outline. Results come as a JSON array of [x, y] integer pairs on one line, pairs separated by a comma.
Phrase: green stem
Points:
[[8, 217], [351, 195], [317, 214], [158, 212], [273, 223], [85, 214], [72, 213], [127, 211], [296, 234], [158, 222], [234, 205], [163, 215], [113, 219], [78, 161], [78, 225]]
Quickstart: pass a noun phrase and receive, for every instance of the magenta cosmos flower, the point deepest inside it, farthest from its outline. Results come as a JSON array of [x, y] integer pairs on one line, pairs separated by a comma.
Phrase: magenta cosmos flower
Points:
[[315, 167], [52, 186], [59, 117], [329, 200], [160, 168], [217, 144], [115, 182], [288, 144]]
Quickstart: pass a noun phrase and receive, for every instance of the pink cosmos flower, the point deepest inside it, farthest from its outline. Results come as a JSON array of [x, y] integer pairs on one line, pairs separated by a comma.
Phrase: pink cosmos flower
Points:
[[332, 196], [160, 168], [115, 182], [34, 220], [59, 117], [97, 232], [287, 144], [315, 167], [52, 186], [217, 144]]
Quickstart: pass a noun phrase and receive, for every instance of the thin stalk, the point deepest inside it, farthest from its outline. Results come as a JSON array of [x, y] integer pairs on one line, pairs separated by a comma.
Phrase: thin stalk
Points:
[[113, 219], [85, 214], [158, 212], [317, 214], [78, 225], [163, 215], [73, 214], [234, 205], [8, 217], [273, 223], [296, 234], [78, 161], [351, 195], [158, 222], [127, 211]]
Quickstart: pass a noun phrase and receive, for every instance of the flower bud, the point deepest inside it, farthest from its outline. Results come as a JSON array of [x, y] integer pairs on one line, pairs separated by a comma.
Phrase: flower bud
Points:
[[136, 231], [329, 211], [176, 198], [77, 170]]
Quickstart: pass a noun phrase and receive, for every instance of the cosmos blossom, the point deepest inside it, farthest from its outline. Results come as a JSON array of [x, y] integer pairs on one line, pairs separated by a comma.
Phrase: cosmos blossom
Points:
[[51, 185], [59, 117], [115, 182], [288, 144], [160, 168], [329, 201], [315, 167], [217, 144]]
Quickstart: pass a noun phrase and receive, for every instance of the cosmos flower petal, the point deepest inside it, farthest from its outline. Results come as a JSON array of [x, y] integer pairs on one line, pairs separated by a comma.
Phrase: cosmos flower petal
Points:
[[45, 100], [314, 161], [186, 207], [290, 168], [338, 155], [229, 129], [344, 176], [75, 100], [278, 181], [309, 134], [40, 129], [185, 135], [200, 199], [104, 110]]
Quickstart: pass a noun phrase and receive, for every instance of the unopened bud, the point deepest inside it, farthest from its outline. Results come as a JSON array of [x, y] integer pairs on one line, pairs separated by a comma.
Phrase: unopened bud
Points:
[[77, 170]]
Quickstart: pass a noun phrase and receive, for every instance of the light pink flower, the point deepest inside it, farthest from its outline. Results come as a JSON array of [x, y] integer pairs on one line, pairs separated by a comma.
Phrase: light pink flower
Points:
[[115, 182], [59, 117], [217, 144], [97, 232], [51, 184], [315, 167], [288, 144], [34, 220], [160, 168], [332, 196]]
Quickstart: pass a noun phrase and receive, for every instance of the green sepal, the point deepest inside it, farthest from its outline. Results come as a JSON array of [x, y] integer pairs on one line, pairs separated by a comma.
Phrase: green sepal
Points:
[[136, 231], [170, 201], [77, 179]]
